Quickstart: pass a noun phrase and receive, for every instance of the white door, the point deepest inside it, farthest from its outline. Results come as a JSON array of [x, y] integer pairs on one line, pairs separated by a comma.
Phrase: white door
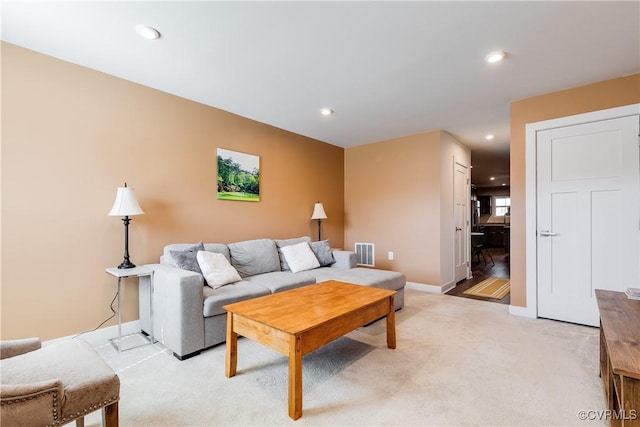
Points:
[[588, 231], [461, 203]]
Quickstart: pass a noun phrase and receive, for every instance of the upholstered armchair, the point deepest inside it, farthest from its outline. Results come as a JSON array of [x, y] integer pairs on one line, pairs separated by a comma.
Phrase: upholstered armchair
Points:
[[55, 384]]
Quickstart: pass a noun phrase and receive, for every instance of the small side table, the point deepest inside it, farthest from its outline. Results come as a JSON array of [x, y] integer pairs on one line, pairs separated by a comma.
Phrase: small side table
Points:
[[123, 273]]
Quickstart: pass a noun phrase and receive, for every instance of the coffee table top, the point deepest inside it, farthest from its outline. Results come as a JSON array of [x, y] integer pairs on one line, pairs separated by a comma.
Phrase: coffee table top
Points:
[[305, 308]]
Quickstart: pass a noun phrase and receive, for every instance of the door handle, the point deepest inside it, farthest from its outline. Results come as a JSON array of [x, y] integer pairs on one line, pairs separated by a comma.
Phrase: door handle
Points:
[[547, 233], [458, 229]]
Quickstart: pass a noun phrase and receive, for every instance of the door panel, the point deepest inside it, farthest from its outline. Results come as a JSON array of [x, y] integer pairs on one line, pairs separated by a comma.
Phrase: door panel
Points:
[[606, 241], [599, 154], [462, 233], [588, 216], [565, 251]]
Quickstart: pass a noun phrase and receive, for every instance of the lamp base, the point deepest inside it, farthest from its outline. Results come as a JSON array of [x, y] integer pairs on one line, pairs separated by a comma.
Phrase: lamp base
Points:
[[125, 260], [126, 264]]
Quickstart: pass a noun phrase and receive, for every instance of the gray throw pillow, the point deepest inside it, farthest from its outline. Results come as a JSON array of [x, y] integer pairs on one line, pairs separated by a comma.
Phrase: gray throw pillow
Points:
[[323, 252], [187, 259]]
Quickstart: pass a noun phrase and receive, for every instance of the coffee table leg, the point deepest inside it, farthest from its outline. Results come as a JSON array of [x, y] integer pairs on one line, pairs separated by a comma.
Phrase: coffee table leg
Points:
[[231, 360], [391, 324], [295, 378]]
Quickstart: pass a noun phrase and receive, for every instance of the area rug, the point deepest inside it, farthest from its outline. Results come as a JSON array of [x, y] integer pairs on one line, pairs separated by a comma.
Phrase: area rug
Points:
[[492, 287]]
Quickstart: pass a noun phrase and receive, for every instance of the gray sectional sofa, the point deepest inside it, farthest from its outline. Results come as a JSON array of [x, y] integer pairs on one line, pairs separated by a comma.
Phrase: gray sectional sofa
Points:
[[188, 315]]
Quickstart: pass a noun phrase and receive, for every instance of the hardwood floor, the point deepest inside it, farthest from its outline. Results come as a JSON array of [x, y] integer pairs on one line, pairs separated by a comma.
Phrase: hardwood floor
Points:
[[481, 271]]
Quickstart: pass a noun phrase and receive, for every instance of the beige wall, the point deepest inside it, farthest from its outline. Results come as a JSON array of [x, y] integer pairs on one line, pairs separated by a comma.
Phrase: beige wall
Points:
[[398, 195], [71, 136], [593, 97]]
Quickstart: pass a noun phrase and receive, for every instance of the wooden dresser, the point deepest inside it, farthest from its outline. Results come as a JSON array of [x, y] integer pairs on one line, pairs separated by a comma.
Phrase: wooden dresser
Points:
[[620, 356]]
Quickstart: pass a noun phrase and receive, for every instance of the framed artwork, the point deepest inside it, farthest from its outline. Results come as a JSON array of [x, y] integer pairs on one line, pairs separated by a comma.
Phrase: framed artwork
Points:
[[238, 176]]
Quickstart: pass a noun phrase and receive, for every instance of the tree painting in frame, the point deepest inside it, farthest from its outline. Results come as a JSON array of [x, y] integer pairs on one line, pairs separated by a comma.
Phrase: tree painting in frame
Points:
[[238, 176]]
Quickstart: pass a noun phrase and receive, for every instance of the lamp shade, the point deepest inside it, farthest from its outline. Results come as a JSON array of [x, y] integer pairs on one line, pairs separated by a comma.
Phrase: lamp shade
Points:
[[126, 203], [318, 212]]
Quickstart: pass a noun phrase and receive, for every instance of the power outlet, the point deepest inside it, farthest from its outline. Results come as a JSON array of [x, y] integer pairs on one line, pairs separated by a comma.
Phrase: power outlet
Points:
[[390, 255]]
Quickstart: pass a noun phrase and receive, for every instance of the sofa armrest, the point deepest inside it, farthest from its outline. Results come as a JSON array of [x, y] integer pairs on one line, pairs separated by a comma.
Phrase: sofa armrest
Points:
[[178, 301], [32, 404], [344, 259], [12, 348]]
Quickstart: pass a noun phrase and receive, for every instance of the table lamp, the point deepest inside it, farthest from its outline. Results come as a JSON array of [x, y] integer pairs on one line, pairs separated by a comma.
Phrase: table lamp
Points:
[[318, 214], [126, 205]]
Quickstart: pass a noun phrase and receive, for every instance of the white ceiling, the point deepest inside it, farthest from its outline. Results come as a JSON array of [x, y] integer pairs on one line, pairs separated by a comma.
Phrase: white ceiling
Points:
[[388, 69]]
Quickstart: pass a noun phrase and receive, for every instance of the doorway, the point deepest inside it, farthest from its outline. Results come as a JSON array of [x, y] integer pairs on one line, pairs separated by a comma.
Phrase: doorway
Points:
[[488, 237], [482, 271]]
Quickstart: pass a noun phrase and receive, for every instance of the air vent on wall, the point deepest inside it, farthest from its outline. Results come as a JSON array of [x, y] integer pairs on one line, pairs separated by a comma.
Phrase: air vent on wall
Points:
[[365, 254]]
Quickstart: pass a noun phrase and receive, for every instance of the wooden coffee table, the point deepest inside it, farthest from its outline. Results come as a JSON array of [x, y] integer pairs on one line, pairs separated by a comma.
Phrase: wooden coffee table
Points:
[[301, 320]]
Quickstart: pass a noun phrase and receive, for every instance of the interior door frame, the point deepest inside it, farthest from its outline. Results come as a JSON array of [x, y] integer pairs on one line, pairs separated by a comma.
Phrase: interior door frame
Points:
[[531, 201]]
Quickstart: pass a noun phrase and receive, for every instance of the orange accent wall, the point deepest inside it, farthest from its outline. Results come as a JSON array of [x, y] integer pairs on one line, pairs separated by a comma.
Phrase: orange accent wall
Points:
[[71, 136], [598, 96], [399, 196]]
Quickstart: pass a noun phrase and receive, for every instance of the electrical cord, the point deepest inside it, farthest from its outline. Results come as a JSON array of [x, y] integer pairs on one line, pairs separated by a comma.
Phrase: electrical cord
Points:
[[106, 320]]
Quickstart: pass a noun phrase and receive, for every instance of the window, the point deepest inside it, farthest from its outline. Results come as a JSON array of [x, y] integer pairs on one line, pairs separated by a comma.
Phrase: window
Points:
[[503, 205]]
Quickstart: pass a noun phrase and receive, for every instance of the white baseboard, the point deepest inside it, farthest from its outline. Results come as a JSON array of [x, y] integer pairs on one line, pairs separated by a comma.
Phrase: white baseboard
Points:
[[432, 289], [522, 312], [447, 287], [104, 334]]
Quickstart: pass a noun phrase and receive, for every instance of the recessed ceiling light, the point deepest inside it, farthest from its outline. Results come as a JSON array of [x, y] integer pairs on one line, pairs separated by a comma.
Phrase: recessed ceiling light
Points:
[[489, 137], [148, 33], [496, 56], [493, 178], [503, 184], [326, 111]]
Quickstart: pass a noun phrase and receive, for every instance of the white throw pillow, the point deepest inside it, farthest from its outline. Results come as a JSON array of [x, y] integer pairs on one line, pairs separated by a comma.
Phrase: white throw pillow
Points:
[[216, 269], [300, 257]]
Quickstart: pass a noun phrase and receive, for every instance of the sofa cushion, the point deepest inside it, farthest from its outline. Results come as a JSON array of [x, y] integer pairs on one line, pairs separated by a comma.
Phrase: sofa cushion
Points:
[[323, 252], [166, 257], [253, 257], [216, 269], [300, 257], [186, 259], [219, 248], [215, 299], [383, 279], [278, 281], [280, 243]]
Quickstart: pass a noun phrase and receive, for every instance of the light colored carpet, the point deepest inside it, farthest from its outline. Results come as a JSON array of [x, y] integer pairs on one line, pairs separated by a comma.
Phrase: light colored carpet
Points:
[[459, 362], [493, 287]]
